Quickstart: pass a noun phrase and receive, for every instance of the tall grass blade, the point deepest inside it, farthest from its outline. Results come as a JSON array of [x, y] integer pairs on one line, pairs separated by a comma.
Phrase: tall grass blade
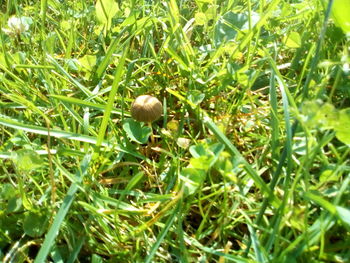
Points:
[[162, 234], [53, 133], [85, 103], [111, 98], [62, 212], [316, 57]]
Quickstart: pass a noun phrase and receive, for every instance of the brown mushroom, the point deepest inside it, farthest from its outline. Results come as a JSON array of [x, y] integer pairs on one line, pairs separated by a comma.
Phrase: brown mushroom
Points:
[[147, 109]]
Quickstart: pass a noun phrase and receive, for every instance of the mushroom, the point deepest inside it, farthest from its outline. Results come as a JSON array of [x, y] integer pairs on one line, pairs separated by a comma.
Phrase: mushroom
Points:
[[146, 109]]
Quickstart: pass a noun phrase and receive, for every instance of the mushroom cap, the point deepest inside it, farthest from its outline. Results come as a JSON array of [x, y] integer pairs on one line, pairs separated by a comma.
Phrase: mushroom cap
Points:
[[146, 108]]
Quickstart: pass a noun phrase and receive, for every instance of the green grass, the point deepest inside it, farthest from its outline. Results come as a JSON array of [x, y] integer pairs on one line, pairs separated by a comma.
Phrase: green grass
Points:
[[250, 159]]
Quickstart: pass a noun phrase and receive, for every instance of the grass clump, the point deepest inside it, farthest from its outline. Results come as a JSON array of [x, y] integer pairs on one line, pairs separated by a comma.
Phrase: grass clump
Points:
[[249, 162]]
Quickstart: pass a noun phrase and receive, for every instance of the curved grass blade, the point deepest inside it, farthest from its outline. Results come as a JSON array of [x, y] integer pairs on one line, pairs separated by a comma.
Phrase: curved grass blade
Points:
[[53, 133], [163, 233], [84, 103], [316, 58], [74, 81], [64, 135], [108, 109], [62, 212], [193, 242]]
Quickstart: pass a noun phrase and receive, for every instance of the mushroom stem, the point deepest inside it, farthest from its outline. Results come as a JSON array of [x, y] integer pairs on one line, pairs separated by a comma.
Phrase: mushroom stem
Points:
[[152, 135]]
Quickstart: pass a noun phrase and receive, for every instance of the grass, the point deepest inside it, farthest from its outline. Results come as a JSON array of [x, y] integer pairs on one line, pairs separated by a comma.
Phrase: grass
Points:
[[250, 159]]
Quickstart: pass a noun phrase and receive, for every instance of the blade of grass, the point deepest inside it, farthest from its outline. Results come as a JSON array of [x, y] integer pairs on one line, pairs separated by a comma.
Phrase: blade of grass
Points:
[[75, 252], [260, 252], [62, 212], [108, 109], [316, 57], [84, 103], [163, 233], [228, 257], [324, 222], [53, 133], [66, 135], [65, 73], [276, 221], [274, 118], [247, 38], [107, 58]]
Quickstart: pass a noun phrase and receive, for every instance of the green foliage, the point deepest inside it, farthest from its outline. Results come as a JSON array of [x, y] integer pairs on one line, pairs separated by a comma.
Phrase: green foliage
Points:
[[204, 158], [293, 40], [325, 116], [35, 223], [340, 14], [105, 11], [231, 23], [136, 131], [342, 127], [26, 160]]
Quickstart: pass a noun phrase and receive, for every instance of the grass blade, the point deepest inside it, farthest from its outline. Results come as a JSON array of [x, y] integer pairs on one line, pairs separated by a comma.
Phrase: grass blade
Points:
[[84, 103], [162, 234], [53, 133], [106, 116], [65, 135], [62, 212]]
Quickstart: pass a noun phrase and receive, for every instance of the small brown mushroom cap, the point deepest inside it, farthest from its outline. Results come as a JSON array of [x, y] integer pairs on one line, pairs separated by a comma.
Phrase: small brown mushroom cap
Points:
[[146, 108]]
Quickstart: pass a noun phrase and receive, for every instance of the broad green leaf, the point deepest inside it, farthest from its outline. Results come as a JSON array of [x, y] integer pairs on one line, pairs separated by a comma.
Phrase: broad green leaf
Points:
[[329, 116], [341, 14], [293, 40], [230, 24], [96, 259], [200, 19], [35, 223], [88, 62], [205, 155], [344, 214], [27, 160], [136, 132], [192, 179], [195, 96], [105, 11], [342, 129], [14, 204], [198, 150], [329, 175], [7, 191], [202, 162], [225, 166], [317, 114]]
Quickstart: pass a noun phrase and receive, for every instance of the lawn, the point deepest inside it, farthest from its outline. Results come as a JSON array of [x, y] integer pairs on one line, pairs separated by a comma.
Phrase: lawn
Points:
[[243, 157]]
